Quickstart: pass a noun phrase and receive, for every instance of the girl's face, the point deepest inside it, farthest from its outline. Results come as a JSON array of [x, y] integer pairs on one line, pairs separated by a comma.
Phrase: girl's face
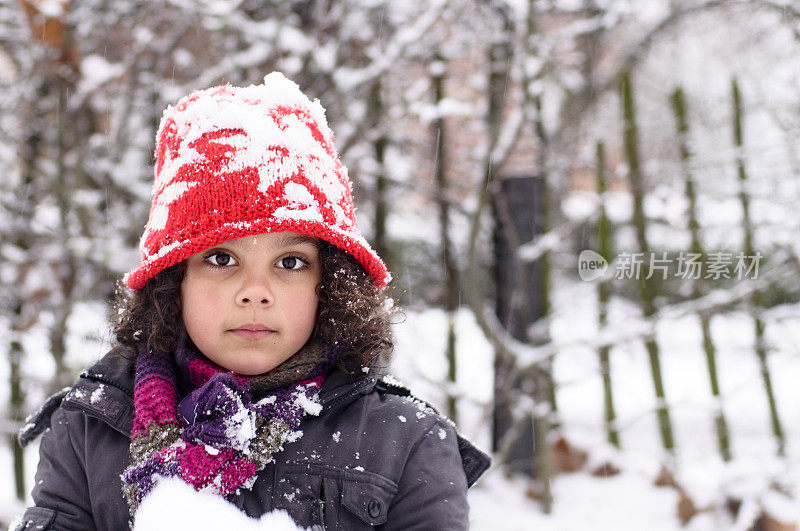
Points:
[[250, 304]]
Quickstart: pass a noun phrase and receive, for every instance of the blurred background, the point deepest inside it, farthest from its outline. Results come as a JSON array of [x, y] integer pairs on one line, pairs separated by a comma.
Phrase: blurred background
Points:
[[590, 209]]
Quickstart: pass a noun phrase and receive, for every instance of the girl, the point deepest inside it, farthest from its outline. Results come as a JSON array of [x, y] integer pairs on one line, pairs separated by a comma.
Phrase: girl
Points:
[[251, 345]]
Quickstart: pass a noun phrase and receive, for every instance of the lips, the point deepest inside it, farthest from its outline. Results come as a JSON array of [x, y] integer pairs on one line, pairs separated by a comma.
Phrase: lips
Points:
[[252, 331]]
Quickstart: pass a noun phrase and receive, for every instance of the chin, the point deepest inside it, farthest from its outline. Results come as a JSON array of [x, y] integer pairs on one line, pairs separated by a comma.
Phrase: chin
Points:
[[250, 364], [252, 371]]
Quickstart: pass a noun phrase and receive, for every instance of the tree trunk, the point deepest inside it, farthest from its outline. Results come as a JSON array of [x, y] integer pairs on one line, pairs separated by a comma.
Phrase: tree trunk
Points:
[[379, 240], [63, 188], [16, 402], [543, 225], [451, 274], [30, 152], [544, 383], [499, 56]]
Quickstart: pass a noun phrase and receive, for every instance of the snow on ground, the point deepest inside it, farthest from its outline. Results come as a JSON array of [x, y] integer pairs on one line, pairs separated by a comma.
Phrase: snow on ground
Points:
[[628, 500], [625, 501]]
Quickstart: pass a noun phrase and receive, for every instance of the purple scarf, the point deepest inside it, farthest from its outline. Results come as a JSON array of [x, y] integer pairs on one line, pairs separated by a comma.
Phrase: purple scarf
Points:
[[226, 429]]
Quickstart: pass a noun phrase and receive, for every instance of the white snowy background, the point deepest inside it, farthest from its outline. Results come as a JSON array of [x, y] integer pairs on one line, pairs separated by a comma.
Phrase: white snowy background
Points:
[[755, 40]]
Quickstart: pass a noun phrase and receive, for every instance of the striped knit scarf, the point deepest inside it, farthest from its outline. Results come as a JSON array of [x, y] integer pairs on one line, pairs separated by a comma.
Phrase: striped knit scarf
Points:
[[226, 429]]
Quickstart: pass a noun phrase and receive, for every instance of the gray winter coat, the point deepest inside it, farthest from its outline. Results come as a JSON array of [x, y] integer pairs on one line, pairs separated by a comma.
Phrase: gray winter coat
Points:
[[372, 458]]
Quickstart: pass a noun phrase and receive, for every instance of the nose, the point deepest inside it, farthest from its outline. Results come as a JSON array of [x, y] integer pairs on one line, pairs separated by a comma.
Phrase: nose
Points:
[[254, 292]]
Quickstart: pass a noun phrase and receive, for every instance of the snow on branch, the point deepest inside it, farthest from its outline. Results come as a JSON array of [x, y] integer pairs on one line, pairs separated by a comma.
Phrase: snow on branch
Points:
[[783, 6], [549, 241], [349, 79], [256, 54]]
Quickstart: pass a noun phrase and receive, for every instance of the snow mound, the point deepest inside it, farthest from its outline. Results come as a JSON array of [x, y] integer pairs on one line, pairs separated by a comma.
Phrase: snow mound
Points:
[[173, 504]]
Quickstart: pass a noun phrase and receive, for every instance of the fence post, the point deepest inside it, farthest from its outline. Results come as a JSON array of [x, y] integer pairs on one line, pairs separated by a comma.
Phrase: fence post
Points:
[[647, 290]]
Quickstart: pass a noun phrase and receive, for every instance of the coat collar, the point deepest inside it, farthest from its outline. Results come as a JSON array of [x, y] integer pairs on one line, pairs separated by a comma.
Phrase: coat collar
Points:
[[105, 390]]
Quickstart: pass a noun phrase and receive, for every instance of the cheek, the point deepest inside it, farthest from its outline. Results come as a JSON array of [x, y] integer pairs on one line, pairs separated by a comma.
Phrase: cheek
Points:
[[304, 314], [200, 305]]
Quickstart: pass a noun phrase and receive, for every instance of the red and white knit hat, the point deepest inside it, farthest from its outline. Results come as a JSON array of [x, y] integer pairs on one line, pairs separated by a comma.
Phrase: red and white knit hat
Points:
[[232, 162]]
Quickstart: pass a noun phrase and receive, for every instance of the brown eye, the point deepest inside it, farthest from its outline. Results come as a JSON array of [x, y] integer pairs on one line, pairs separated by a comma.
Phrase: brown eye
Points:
[[291, 262], [220, 259]]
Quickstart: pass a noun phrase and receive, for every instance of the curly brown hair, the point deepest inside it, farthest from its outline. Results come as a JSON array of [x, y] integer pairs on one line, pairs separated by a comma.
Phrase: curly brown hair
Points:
[[352, 311]]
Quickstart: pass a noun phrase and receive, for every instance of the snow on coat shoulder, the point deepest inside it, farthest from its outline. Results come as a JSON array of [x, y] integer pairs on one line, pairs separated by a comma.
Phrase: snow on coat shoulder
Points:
[[173, 504]]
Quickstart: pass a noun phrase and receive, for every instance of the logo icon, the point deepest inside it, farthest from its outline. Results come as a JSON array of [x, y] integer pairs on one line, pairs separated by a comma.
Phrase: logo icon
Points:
[[591, 265]]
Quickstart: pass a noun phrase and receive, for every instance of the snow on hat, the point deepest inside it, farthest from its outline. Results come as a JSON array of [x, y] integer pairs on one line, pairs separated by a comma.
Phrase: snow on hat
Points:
[[232, 162]]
